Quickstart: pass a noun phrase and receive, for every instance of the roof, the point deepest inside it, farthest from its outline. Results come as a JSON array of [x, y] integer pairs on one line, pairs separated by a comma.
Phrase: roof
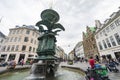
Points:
[[92, 29], [25, 26], [2, 35]]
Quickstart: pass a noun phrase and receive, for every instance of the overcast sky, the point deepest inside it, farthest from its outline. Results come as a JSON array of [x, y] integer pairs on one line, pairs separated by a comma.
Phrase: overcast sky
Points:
[[75, 15]]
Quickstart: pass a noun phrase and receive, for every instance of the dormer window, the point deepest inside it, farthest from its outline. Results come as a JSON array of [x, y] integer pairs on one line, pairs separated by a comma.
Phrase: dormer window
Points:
[[113, 14], [117, 22]]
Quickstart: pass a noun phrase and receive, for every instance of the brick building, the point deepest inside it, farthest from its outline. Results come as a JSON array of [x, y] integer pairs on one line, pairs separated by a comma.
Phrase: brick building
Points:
[[89, 43]]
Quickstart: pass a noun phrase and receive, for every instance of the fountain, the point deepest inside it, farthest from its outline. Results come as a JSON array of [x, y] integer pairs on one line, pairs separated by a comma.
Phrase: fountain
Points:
[[47, 62]]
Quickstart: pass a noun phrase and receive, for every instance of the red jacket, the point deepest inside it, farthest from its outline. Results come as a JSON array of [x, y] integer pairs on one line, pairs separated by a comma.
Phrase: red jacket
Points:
[[92, 63]]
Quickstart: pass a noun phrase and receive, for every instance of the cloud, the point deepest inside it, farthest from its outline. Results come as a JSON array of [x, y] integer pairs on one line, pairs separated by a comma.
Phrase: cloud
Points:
[[75, 15]]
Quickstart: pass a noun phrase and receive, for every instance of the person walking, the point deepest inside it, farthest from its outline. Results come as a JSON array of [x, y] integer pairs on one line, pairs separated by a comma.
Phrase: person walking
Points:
[[22, 62]]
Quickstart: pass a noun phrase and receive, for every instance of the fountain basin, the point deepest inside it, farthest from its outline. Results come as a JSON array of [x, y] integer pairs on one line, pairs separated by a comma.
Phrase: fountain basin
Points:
[[35, 77]]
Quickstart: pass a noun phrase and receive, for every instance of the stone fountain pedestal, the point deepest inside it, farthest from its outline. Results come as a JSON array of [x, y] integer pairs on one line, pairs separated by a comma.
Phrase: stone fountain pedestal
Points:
[[43, 69]]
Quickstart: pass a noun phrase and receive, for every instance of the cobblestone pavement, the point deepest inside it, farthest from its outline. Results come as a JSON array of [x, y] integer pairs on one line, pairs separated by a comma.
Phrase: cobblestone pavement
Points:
[[84, 66]]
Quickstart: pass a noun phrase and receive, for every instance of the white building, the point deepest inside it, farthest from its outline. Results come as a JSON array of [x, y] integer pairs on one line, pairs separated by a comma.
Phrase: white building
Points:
[[21, 43], [2, 41], [108, 36], [79, 52], [60, 53]]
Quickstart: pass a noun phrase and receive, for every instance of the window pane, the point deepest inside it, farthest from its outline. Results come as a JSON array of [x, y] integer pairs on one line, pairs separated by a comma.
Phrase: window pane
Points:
[[19, 39], [117, 22], [112, 26], [33, 49], [23, 48], [112, 41], [100, 46], [104, 44], [12, 49], [26, 39], [8, 48], [30, 48], [15, 39], [108, 43], [32, 40], [4, 47], [117, 38], [17, 48]]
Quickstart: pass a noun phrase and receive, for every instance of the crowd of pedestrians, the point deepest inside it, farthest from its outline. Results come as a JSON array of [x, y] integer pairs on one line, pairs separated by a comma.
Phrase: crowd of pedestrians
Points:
[[11, 64], [109, 63]]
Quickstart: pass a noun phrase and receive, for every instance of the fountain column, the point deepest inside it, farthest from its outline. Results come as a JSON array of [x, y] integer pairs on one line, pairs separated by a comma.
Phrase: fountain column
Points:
[[46, 46]]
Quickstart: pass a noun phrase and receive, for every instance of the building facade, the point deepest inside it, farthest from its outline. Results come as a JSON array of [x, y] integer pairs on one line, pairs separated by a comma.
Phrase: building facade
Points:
[[79, 52], [89, 42], [21, 43], [108, 36], [71, 55], [2, 41], [60, 53]]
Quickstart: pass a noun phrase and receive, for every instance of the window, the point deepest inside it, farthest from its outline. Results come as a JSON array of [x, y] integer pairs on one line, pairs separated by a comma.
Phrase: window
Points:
[[23, 48], [19, 39], [107, 29], [12, 49], [7, 39], [117, 38], [1, 41], [108, 43], [28, 32], [31, 56], [100, 46], [17, 48], [112, 26], [33, 49], [32, 40], [26, 39], [104, 33], [8, 48], [117, 22], [104, 44], [11, 39], [112, 41], [15, 39], [4, 47], [30, 48]]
